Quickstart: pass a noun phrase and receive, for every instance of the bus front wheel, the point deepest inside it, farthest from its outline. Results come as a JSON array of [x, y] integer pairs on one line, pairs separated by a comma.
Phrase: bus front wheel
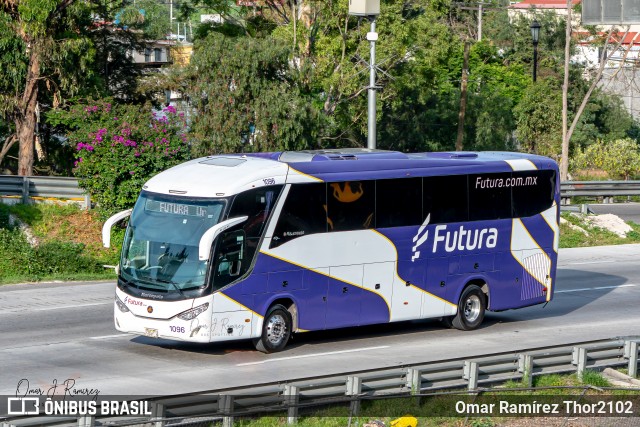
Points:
[[276, 330], [471, 308]]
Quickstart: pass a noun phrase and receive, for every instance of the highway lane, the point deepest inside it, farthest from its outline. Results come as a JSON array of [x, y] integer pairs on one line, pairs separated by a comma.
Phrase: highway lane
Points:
[[626, 211], [64, 331]]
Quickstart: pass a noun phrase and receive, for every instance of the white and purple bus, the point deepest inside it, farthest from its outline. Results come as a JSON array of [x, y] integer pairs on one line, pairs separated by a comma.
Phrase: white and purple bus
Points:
[[260, 246]]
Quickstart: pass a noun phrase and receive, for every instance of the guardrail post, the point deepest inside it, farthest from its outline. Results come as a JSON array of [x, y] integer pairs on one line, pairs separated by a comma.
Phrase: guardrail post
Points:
[[631, 353], [354, 388], [225, 407], [470, 373], [86, 421], [25, 190], [291, 400], [525, 366], [87, 201], [579, 359], [157, 414], [414, 380]]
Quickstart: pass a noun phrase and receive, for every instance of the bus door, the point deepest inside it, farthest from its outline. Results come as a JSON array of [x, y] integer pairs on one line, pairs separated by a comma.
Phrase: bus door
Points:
[[406, 302]]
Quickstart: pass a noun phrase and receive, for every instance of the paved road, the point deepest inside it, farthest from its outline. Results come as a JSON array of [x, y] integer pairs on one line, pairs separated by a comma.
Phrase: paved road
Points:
[[626, 211], [64, 331]]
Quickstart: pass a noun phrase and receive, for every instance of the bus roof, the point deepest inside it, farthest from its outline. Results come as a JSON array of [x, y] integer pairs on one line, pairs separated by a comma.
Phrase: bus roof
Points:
[[223, 175]]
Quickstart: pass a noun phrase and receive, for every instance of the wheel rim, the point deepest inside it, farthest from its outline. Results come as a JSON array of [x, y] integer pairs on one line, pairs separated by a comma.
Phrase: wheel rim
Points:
[[276, 329], [472, 308]]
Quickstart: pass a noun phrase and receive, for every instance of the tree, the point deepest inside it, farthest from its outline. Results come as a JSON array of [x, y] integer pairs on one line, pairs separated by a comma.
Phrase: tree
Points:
[[538, 119], [619, 158], [40, 38], [247, 97]]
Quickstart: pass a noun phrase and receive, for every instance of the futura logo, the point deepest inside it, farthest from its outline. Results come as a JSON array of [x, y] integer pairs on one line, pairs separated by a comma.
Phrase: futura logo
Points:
[[420, 238], [462, 239]]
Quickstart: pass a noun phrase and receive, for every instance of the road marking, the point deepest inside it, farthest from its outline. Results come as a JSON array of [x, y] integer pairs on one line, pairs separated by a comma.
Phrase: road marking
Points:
[[303, 356], [71, 306], [630, 285], [104, 337]]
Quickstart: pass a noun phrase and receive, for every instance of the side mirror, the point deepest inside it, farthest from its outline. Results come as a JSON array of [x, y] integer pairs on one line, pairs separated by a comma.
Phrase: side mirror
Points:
[[204, 248], [106, 228]]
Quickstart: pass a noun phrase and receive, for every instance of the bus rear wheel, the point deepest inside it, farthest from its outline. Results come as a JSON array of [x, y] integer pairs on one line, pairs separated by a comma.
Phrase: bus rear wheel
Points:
[[471, 308], [276, 330]]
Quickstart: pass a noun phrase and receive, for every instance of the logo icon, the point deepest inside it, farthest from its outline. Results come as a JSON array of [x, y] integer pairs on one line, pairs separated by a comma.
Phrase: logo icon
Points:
[[418, 240], [23, 406]]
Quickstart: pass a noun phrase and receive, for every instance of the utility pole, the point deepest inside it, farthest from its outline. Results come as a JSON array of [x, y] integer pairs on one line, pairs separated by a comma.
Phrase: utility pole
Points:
[[480, 7], [372, 36], [463, 96], [369, 9]]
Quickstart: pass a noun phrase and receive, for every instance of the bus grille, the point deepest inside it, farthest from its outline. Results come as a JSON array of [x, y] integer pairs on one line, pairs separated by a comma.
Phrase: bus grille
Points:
[[535, 265]]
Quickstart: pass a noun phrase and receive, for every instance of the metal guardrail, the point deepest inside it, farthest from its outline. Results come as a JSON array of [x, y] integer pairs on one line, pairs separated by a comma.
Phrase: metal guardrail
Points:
[[67, 188], [353, 387], [27, 188], [605, 189]]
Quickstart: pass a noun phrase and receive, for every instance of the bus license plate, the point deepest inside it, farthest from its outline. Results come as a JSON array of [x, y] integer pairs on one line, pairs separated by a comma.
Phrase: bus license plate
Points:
[[152, 333]]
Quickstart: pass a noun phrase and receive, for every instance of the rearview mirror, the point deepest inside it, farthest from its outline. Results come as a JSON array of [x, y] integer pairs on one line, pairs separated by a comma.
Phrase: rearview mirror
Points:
[[204, 248], [106, 228]]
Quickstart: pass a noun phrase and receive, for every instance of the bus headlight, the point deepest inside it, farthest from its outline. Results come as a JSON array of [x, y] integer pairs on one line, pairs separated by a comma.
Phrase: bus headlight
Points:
[[193, 312], [122, 306]]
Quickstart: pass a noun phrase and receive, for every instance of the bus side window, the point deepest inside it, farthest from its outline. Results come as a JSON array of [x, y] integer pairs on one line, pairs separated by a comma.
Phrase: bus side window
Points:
[[257, 204], [535, 192], [303, 213], [490, 196], [351, 205], [445, 198], [398, 202], [229, 259]]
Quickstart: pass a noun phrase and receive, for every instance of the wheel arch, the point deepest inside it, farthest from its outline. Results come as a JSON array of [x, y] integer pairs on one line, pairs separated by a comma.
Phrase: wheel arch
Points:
[[288, 302], [480, 282]]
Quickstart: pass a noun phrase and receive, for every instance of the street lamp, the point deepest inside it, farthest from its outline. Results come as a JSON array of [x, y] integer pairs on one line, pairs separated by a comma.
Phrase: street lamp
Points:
[[535, 36], [369, 9]]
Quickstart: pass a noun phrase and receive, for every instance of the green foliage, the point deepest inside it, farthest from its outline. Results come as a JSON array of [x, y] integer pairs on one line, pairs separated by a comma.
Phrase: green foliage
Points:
[[246, 93], [539, 119], [619, 158], [119, 148], [596, 236], [59, 253], [59, 259], [148, 16]]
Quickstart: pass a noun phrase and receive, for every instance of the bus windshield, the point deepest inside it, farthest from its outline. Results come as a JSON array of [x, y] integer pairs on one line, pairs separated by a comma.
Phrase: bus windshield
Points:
[[160, 250]]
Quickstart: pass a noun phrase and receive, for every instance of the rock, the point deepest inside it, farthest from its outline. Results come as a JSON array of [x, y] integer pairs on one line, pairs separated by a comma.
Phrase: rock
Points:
[[610, 222]]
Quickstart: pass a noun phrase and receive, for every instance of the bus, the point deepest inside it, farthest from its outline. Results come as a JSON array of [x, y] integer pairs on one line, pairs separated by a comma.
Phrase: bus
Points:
[[260, 246]]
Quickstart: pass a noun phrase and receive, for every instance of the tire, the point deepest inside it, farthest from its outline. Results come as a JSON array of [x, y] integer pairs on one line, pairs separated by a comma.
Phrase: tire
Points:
[[471, 308], [276, 330]]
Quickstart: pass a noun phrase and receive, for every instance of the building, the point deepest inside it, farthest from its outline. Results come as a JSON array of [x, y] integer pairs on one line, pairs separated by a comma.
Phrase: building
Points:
[[620, 76]]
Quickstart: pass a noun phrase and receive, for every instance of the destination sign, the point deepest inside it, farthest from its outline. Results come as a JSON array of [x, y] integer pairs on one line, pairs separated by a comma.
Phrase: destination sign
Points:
[[175, 208]]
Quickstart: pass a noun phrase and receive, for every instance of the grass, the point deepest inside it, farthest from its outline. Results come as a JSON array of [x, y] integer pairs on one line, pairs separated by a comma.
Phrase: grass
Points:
[[68, 246], [571, 238]]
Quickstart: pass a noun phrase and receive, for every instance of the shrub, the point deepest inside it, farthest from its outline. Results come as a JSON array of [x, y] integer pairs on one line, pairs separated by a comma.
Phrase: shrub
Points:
[[620, 158], [119, 147]]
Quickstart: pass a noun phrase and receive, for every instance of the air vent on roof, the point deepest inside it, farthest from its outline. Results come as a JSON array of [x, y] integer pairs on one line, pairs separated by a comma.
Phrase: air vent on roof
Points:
[[343, 157], [464, 156], [223, 161]]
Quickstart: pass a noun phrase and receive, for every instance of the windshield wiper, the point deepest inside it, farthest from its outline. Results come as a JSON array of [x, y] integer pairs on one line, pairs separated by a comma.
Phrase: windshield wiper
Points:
[[172, 283]]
